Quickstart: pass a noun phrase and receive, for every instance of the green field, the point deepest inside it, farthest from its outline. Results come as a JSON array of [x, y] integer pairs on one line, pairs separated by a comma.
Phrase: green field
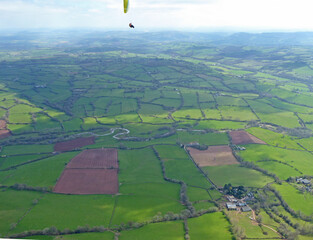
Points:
[[296, 162], [275, 139], [237, 176], [150, 95], [295, 199], [202, 138], [178, 166], [13, 206], [139, 166], [43, 173], [26, 149], [209, 226], [58, 210], [157, 231]]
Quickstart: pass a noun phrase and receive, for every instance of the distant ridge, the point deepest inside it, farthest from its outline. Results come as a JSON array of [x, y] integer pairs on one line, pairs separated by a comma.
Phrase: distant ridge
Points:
[[22, 40]]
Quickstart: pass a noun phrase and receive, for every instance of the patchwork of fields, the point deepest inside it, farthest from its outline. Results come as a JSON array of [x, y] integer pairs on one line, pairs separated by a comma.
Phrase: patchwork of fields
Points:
[[113, 139]]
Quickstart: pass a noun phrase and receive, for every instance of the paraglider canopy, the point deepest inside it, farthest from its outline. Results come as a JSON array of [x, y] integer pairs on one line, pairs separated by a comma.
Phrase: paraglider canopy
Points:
[[125, 6]]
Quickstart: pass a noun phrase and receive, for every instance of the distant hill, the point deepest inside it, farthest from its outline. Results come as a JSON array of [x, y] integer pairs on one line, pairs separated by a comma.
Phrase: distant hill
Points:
[[71, 37]]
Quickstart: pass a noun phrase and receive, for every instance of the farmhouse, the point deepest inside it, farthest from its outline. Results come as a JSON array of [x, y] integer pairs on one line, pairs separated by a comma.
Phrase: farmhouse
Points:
[[241, 204], [231, 199], [304, 181], [246, 209], [231, 206]]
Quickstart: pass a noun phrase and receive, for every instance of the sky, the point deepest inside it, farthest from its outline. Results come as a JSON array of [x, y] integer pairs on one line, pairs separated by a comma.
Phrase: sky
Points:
[[150, 15]]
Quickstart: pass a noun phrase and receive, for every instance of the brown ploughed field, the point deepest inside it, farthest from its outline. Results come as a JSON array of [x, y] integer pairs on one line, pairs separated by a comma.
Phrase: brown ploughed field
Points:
[[95, 158], [243, 137], [87, 181], [73, 144], [4, 132], [213, 156], [93, 171]]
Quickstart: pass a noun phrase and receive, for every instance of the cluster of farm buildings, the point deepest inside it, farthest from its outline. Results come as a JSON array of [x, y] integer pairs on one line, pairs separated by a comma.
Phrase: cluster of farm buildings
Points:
[[235, 204]]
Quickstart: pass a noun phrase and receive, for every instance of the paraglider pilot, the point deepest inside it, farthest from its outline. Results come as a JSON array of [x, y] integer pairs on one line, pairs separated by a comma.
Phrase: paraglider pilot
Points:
[[131, 25]]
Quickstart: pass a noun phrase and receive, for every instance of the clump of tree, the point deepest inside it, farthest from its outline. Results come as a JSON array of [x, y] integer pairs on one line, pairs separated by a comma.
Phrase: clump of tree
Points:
[[294, 213], [238, 231], [238, 192], [54, 231], [186, 228], [287, 233], [198, 146], [297, 132], [20, 186]]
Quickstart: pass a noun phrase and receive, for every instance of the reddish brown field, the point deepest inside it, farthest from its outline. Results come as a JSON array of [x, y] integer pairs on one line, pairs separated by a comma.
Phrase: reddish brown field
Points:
[[94, 171], [73, 144], [3, 124], [213, 156], [87, 181], [243, 137], [95, 158], [4, 132]]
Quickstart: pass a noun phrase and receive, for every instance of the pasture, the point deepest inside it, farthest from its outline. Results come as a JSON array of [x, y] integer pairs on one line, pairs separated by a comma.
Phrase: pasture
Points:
[[275, 139], [209, 226], [299, 161], [295, 199], [43, 173], [237, 176], [58, 210], [157, 231]]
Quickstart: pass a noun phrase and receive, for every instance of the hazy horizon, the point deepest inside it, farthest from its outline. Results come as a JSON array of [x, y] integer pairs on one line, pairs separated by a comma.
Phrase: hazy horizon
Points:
[[180, 15]]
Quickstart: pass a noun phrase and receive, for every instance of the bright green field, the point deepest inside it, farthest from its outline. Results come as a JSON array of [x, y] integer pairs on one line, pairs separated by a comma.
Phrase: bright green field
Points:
[[13, 206], [58, 210], [306, 142], [237, 113], [300, 160], [196, 194], [202, 138], [157, 231], [26, 149], [178, 166], [192, 113], [170, 152], [274, 139], [140, 208], [15, 160], [237, 176], [203, 205], [219, 125], [83, 236], [296, 200], [43, 173], [139, 166], [209, 226]]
